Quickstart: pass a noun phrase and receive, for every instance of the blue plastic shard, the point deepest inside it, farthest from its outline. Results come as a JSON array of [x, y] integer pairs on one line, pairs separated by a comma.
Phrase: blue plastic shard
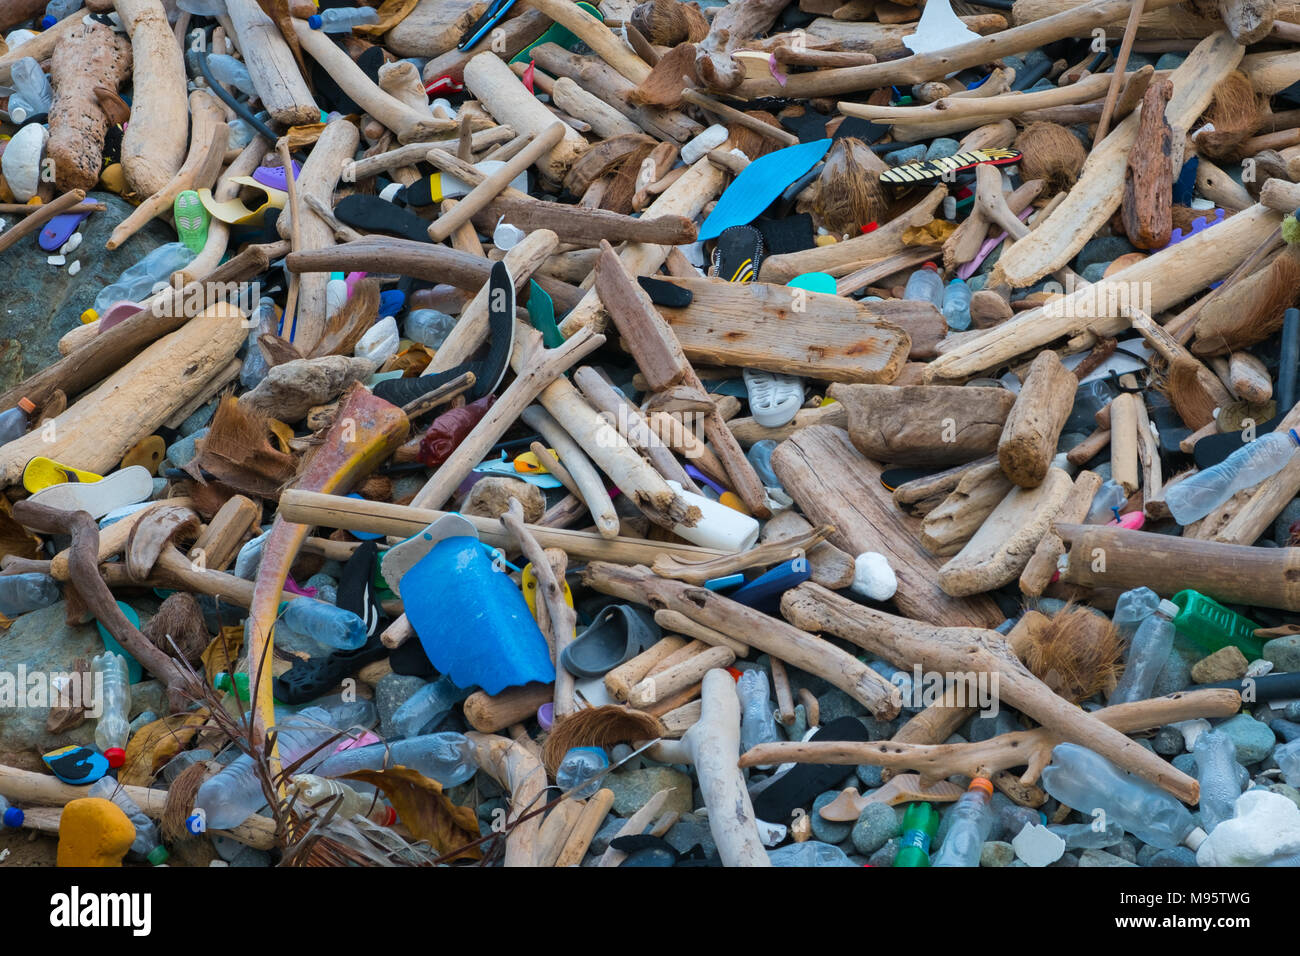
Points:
[[1199, 224], [760, 184], [472, 621]]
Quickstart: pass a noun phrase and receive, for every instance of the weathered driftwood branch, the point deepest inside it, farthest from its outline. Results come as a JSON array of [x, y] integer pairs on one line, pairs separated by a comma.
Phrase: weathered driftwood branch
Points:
[[271, 66], [764, 555], [795, 647], [1147, 208], [833, 484], [950, 524], [1034, 424], [153, 144], [1042, 566], [591, 487], [1031, 749], [907, 643], [519, 770]]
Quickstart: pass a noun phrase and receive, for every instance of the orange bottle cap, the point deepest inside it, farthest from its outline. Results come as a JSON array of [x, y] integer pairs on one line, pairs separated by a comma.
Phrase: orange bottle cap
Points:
[[26, 405], [981, 783]]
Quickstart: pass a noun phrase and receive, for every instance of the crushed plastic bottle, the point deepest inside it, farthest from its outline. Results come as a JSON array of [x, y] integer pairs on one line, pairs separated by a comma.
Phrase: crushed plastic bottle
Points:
[[342, 19], [446, 757], [925, 285], [970, 828], [113, 728], [1087, 781], [956, 305], [757, 723], [10, 816], [1131, 609], [147, 845], [32, 92], [1110, 496], [57, 10], [1195, 497], [231, 72], [1287, 756], [427, 707], [809, 853], [326, 624], [137, 281], [581, 764], [1220, 777], [255, 364], [20, 593], [429, 327], [1085, 836], [1147, 655]]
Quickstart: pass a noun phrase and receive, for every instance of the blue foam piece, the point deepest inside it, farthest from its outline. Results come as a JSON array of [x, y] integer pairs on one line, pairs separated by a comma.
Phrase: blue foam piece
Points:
[[472, 621], [391, 302], [760, 184], [822, 282], [1185, 184], [77, 765]]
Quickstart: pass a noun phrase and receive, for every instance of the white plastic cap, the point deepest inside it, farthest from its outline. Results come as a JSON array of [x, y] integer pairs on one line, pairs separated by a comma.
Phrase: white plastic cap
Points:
[[1168, 609], [1194, 839]]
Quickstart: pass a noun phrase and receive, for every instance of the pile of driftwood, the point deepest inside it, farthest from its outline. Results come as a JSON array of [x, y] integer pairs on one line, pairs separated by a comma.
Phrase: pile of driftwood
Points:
[[611, 116]]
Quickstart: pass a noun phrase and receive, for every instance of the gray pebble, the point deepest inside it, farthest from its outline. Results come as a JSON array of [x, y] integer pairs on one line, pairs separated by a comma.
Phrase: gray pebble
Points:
[[828, 831], [877, 824]]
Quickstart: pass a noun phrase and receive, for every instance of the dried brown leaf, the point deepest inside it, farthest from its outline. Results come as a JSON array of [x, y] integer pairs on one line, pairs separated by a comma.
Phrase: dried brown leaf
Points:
[[425, 810]]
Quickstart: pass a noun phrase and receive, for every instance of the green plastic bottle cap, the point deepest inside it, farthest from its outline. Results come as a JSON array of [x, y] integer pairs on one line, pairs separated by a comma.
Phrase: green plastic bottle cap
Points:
[[158, 855]]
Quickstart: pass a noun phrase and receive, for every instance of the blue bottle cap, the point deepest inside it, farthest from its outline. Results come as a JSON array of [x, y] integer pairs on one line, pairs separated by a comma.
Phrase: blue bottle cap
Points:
[[13, 817], [194, 823], [48, 21], [314, 21]]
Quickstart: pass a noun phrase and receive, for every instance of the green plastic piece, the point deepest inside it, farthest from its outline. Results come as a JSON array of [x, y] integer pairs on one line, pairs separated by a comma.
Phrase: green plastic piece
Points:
[[134, 672], [560, 36], [239, 685], [1211, 626], [541, 312], [920, 823]]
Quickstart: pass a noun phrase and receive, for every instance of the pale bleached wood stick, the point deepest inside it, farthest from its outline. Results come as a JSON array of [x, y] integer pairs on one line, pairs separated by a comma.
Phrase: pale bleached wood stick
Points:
[[591, 487]]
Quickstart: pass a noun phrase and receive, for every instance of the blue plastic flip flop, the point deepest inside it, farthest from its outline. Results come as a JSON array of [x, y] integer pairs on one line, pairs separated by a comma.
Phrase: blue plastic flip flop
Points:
[[59, 230], [471, 619], [760, 184]]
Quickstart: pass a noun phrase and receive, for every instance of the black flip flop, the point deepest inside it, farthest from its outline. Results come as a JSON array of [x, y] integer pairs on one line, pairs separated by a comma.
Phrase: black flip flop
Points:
[[739, 254], [806, 781], [372, 214]]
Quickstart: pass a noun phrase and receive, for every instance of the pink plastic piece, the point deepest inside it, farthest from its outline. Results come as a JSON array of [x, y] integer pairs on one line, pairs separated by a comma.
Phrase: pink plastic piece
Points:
[[969, 269]]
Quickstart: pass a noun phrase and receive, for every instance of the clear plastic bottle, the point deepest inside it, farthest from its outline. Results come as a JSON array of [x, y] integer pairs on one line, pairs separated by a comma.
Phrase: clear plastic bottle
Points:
[[328, 625], [809, 853], [147, 844], [973, 819], [342, 19], [427, 706], [1084, 836], [255, 366], [760, 456], [231, 72], [447, 757], [1147, 655], [1195, 497], [428, 327], [956, 305], [14, 422], [578, 765], [20, 593], [317, 791], [925, 285], [1288, 761], [1131, 609], [1110, 495], [1219, 775], [137, 282], [1087, 781], [113, 729], [235, 794], [32, 93], [57, 10], [757, 725], [10, 816]]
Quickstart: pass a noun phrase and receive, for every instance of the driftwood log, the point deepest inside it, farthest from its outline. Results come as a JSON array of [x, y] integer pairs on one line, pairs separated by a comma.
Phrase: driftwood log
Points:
[[1028, 441], [153, 144], [91, 55]]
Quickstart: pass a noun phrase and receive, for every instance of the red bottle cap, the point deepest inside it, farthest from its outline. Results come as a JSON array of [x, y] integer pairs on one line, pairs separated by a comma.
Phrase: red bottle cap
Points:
[[116, 756]]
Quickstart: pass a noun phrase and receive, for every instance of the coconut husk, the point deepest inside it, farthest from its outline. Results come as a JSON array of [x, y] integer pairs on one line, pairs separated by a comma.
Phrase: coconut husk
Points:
[[670, 22], [177, 629], [849, 194], [1052, 153], [1251, 310], [344, 329], [1183, 387], [754, 144], [598, 727], [237, 452], [663, 87], [622, 183], [1236, 112], [180, 801], [1077, 655]]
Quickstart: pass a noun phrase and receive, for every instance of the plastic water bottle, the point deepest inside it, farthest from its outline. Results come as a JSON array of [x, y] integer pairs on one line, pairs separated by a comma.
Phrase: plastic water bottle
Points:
[[1131, 609], [342, 19], [973, 819], [1288, 760], [427, 707], [321, 793], [14, 422], [329, 625], [147, 845], [809, 853], [1087, 781], [57, 10], [32, 93], [447, 757], [1219, 775], [1084, 836], [137, 282], [20, 593], [1195, 497], [428, 327], [235, 794], [757, 725], [113, 728], [1110, 495], [10, 816], [255, 366], [578, 765], [1147, 655], [231, 72], [956, 305], [925, 285]]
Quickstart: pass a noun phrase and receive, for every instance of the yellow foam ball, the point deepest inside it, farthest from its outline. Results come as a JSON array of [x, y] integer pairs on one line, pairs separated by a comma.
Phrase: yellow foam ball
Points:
[[94, 832]]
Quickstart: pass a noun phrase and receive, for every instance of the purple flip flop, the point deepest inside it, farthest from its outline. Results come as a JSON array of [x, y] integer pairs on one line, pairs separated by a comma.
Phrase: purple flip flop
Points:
[[274, 177]]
